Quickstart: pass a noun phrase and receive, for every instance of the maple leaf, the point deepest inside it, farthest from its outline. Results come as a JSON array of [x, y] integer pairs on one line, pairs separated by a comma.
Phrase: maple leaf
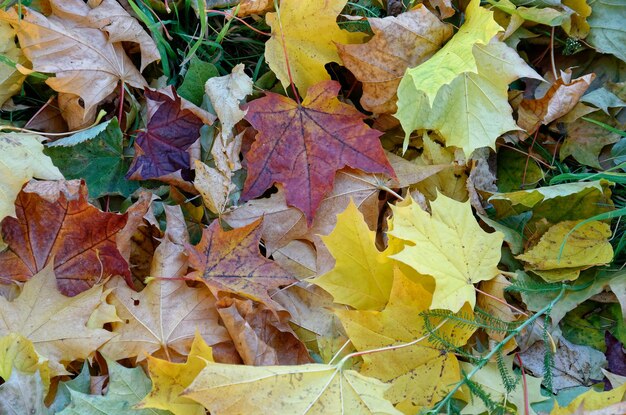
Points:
[[560, 99], [456, 93], [17, 352], [421, 374], [591, 400], [566, 249], [83, 58], [56, 225], [308, 43], [96, 155], [54, 323], [126, 388], [399, 42], [312, 388], [22, 160], [169, 380], [10, 78], [161, 149], [23, 393], [163, 317], [261, 336], [302, 146], [450, 246], [231, 261], [362, 275]]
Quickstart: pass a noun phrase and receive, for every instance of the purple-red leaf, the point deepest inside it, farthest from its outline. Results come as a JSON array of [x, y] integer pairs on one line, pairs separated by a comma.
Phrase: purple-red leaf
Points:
[[162, 148], [303, 146]]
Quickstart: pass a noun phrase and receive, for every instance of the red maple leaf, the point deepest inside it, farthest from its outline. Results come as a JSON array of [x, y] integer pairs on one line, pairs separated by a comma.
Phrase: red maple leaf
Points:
[[231, 262], [55, 222], [302, 146], [162, 148]]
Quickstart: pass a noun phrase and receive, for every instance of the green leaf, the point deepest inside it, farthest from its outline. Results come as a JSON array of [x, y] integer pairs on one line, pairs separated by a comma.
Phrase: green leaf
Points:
[[126, 388], [96, 155], [608, 31], [80, 383], [192, 88]]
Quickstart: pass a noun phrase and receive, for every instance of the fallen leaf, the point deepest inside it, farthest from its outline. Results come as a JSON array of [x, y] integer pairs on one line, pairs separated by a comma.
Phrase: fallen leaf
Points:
[[308, 43], [80, 383], [400, 42], [492, 301], [450, 246], [96, 155], [302, 146], [171, 130], [420, 374], [84, 60], [126, 388], [169, 380], [283, 224], [607, 33], [253, 7], [23, 159], [261, 336], [560, 99], [362, 276], [170, 257], [54, 323], [10, 78], [110, 17], [18, 353], [615, 355], [563, 247], [314, 388], [162, 319], [591, 400], [574, 365], [525, 393], [23, 393], [231, 262], [56, 225]]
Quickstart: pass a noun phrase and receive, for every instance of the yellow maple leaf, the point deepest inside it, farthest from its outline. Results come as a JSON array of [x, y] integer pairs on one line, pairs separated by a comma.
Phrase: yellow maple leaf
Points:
[[10, 78], [299, 389], [362, 275], [309, 30], [22, 159], [54, 323], [591, 400], [16, 351], [564, 250], [448, 245], [420, 374], [169, 380]]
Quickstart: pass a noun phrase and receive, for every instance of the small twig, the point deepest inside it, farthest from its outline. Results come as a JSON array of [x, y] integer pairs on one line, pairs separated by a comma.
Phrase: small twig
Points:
[[554, 72], [521, 365]]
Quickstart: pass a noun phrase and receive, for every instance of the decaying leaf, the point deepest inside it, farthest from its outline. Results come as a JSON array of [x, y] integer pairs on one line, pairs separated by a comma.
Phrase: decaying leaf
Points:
[[10, 78], [566, 249]]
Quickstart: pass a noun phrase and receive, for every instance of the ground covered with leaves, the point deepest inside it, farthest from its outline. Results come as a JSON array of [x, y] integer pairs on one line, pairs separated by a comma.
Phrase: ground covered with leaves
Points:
[[312, 207]]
